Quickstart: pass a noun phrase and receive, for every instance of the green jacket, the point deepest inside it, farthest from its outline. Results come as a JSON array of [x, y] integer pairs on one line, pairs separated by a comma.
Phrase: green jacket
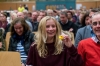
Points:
[[2, 40], [3, 46]]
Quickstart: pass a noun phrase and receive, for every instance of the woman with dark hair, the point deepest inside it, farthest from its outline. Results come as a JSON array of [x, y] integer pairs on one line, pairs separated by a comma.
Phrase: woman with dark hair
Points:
[[70, 16], [3, 20], [26, 7], [21, 38], [83, 19]]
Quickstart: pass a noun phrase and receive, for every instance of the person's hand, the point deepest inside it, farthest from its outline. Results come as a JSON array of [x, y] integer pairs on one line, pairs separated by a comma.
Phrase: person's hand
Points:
[[0, 44], [67, 41], [39, 18], [23, 64], [71, 29]]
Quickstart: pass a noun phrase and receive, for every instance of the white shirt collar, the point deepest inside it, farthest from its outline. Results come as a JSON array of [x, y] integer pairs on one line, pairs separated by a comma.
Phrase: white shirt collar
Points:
[[65, 23], [94, 38]]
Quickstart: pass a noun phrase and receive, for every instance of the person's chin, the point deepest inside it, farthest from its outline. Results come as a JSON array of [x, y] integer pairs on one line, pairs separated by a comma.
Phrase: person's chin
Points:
[[20, 34], [98, 34], [50, 35]]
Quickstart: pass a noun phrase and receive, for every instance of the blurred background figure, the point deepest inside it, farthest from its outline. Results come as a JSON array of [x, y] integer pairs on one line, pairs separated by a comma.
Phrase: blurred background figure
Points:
[[70, 16], [66, 24], [23, 15], [25, 12], [2, 41], [26, 7], [56, 15], [41, 15], [3, 20], [34, 21], [83, 19], [86, 31], [29, 15], [13, 15], [50, 12], [21, 8]]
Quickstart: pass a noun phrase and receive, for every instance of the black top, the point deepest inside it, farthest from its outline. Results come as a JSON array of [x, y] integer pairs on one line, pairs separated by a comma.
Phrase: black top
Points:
[[69, 25]]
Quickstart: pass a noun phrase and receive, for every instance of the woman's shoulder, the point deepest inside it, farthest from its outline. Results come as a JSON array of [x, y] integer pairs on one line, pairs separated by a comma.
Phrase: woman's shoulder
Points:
[[33, 46], [29, 33]]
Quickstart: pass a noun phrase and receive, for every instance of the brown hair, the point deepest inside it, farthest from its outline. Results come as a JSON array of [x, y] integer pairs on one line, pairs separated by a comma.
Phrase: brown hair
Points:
[[23, 23]]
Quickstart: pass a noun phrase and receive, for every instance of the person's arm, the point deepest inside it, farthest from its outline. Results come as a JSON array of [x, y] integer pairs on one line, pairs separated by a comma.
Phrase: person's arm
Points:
[[78, 37], [32, 37], [74, 58], [29, 24], [6, 30], [10, 45], [75, 27], [2, 46], [30, 58], [81, 50]]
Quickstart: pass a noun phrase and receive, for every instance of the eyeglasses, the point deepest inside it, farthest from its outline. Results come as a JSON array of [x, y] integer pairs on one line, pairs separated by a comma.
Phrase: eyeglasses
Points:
[[95, 23]]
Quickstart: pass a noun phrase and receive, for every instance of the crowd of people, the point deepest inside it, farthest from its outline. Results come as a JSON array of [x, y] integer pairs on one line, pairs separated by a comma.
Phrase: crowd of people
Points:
[[35, 35]]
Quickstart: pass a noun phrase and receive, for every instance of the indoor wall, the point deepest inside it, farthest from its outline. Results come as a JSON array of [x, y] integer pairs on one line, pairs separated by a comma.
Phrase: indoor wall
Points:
[[14, 5]]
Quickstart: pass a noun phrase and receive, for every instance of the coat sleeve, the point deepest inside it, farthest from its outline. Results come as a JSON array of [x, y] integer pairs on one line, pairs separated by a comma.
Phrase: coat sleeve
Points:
[[81, 50], [74, 58], [3, 46], [78, 37], [30, 58], [32, 37], [10, 45]]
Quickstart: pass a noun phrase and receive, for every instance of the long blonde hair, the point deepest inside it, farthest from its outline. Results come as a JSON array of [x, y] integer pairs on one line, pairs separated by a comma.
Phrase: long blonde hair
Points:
[[41, 37]]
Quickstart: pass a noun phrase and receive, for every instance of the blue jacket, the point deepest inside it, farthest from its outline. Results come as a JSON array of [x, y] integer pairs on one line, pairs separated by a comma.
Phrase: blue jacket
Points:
[[82, 33]]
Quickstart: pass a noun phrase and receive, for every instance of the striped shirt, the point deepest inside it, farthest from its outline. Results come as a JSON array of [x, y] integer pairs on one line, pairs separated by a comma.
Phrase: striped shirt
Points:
[[20, 49]]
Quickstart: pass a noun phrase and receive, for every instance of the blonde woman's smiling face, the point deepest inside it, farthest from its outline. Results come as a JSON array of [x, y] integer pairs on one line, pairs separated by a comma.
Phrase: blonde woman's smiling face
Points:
[[51, 28]]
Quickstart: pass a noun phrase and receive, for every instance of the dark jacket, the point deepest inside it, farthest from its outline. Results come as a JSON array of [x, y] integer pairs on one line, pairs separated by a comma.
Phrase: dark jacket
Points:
[[34, 25], [27, 41], [6, 30], [69, 25], [4, 25]]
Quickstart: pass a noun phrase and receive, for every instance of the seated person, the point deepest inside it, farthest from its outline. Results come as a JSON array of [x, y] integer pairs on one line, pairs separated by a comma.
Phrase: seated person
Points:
[[50, 50], [21, 38], [2, 41]]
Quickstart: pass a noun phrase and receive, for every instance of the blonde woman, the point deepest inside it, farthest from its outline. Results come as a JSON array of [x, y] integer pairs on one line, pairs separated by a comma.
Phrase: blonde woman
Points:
[[49, 50], [13, 15]]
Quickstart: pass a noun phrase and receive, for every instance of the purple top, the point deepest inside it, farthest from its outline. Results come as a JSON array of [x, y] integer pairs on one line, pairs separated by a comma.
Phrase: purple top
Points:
[[3, 25], [68, 57]]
